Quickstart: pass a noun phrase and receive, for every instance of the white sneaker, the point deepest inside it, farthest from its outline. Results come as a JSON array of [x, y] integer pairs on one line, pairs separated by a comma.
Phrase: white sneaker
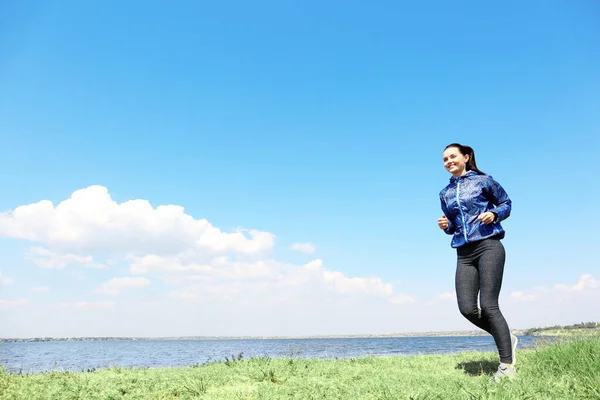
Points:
[[504, 371]]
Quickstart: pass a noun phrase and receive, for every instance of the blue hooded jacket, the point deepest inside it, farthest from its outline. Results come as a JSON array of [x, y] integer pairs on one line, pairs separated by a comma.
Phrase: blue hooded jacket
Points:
[[468, 196]]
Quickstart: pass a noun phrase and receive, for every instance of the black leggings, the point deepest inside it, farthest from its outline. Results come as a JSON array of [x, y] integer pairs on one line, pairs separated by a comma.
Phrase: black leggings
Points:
[[479, 270]]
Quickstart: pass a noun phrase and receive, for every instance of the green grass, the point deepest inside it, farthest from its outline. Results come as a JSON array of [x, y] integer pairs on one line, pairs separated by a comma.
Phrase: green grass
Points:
[[569, 369]]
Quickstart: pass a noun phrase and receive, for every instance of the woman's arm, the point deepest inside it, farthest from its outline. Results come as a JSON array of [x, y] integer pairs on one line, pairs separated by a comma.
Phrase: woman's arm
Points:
[[451, 228], [499, 198]]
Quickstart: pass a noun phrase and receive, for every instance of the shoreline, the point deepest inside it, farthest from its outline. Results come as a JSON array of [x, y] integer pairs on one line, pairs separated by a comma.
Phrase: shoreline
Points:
[[573, 330], [291, 337]]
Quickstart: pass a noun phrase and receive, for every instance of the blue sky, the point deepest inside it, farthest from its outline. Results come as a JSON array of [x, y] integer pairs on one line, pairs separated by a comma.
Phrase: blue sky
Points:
[[303, 141]]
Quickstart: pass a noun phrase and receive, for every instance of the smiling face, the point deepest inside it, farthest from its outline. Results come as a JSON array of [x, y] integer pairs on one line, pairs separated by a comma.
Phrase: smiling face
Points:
[[455, 162]]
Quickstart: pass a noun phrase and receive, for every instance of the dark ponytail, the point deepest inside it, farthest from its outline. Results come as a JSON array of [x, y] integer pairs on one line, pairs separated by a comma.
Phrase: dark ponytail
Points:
[[467, 151]]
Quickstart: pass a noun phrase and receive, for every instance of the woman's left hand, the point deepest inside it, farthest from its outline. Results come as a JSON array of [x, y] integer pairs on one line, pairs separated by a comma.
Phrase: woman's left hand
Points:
[[487, 217]]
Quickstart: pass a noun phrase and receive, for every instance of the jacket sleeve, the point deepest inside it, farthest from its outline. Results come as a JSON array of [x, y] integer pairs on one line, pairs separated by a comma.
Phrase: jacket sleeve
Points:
[[451, 228], [499, 198]]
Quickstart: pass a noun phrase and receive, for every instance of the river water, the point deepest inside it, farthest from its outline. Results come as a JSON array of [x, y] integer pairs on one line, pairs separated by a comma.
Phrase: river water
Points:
[[32, 357]]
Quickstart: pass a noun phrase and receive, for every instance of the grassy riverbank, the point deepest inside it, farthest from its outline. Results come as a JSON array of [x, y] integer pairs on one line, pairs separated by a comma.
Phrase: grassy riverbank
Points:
[[566, 370]]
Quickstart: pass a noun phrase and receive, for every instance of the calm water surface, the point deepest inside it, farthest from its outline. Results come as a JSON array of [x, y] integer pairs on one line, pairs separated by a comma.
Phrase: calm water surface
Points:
[[29, 357]]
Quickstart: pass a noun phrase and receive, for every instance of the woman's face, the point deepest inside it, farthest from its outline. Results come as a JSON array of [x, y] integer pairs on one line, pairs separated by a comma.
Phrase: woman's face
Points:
[[455, 162]]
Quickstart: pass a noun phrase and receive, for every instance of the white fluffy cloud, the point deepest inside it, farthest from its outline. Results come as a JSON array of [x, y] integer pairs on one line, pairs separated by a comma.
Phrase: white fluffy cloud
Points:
[[338, 282], [307, 248], [217, 267], [559, 304], [222, 279], [196, 259], [5, 280], [90, 221], [586, 283], [116, 285], [40, 289]]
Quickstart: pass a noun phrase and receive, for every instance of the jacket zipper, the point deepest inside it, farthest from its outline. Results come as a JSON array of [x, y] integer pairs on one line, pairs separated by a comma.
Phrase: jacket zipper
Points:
[[461, 210]]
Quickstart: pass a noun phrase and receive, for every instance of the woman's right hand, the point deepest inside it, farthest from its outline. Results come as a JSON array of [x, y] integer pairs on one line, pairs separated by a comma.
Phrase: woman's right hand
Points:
[[443, 222]]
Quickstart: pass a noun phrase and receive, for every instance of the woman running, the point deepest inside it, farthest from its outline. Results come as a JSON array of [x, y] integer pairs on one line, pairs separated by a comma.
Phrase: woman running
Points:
[[473, 204]]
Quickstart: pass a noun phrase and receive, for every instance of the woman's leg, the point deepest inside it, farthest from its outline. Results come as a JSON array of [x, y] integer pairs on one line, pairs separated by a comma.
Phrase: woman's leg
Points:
[[467, 284], [491, 270], [479, 271]]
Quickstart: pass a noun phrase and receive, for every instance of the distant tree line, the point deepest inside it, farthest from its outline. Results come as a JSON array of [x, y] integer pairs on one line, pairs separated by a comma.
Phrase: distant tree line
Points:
[[581, 326]]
